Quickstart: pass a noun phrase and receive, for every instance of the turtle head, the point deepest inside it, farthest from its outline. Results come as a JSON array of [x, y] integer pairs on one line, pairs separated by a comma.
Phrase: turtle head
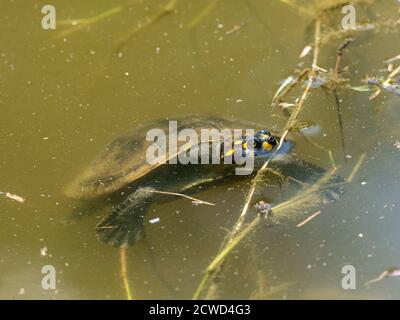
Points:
[[263, 144]]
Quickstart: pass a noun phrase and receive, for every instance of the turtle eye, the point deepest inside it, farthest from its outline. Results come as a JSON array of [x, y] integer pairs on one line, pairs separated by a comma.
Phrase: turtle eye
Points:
[[272, 140], [256, 143]]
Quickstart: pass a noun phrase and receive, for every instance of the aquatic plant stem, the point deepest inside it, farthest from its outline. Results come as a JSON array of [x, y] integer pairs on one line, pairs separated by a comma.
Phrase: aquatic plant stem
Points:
[[124, 273], [215, 266], [356, 168], [165, 10], [391, 76], [336, 79], [78, 24], [13, 196], [292, 119], [195, 200], [204, 13], [236, 235]]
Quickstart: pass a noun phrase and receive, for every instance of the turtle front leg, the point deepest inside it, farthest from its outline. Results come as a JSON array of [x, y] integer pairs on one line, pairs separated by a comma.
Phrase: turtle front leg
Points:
[[125, 225]]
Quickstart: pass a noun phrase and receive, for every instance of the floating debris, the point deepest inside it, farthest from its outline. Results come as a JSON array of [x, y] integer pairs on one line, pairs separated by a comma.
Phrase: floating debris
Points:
[[361, 88], [13, 196], [155, 220], [391, 60], [305, 52], [388, 87], [286, 83], [44, 251], [308, 219], [392, 272], [235, 28]]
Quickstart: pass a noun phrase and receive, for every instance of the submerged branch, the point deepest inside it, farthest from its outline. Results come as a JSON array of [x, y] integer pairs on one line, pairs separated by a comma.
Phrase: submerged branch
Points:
[[386, 83], [12, 196], [194, 200], [204, 13], [124, 273], [165, 10], [78, 24], [281, 209], [237, 233]]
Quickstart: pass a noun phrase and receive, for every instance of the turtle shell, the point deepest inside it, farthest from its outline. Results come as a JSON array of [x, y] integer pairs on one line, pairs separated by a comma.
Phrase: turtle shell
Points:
[[123, 161]]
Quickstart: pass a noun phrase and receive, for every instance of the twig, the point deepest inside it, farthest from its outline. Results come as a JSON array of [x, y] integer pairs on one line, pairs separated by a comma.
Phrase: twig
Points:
[[386, 83], [356, 168], [336, 79], [124, 273], [78, 24], [216, 265], [204, 13], [166, 10], [13, 196], [290, 122], [195, 200], [214, 268], [340, 120], [308, 219], [285, 88], [299, 8], [235, 28], [392, 272]]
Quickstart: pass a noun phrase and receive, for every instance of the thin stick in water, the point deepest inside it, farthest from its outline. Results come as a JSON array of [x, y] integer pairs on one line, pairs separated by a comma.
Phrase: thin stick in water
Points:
[[124, 273], [308, 219], [195, 200], [356, 168]]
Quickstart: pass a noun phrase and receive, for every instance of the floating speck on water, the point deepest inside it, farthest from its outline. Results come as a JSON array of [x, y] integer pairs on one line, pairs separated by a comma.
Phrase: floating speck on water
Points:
[[21, 291], [348, 156], [155, 220], [360, 235], [363, 183], [43, 251]]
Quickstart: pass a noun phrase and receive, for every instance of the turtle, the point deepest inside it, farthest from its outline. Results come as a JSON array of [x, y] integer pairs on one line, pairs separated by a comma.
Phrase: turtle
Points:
[[123, 171]]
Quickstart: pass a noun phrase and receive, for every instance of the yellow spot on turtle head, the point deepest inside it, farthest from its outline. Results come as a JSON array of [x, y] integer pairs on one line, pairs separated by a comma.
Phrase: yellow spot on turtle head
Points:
[[267, 146]]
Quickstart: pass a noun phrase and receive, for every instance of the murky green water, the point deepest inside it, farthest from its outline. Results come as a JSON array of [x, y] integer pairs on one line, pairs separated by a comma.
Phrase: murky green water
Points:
[[62, 99]]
